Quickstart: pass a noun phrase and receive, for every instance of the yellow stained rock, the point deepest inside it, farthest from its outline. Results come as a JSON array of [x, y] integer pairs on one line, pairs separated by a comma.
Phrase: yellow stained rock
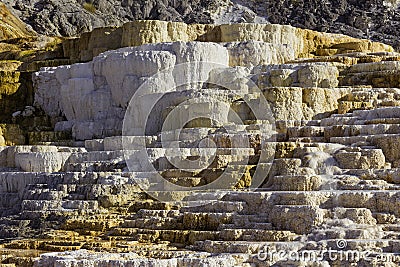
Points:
[[306, 43], [11, 134], [11, 26]]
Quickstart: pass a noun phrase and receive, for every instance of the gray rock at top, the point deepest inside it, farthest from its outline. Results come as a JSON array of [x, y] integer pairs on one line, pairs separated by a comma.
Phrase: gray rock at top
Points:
[[69, 17]]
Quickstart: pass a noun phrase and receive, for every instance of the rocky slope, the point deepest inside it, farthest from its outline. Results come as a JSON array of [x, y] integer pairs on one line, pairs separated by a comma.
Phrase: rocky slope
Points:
[[326, 166], [22, 52], [378, 20], [310, 119], [248, 45], [11, 26], [68, 18]]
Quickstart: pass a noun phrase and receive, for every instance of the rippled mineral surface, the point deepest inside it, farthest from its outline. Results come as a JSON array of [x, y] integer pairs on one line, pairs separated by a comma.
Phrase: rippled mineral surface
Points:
[[160, 143]]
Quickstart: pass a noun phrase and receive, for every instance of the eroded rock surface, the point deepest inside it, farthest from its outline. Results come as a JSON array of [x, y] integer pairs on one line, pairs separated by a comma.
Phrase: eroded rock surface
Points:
[[378, 20], [326, 167]]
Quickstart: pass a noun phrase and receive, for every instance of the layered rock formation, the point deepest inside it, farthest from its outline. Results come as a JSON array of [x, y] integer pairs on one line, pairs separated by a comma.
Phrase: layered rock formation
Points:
[[22, 52], [305, 43], [248, 45], [263, 138], [378, 20]]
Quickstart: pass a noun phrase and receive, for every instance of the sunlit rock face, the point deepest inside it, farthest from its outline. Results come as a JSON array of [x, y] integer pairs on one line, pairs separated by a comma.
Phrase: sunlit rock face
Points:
[[162, 143], [104, 86], [97, 93]]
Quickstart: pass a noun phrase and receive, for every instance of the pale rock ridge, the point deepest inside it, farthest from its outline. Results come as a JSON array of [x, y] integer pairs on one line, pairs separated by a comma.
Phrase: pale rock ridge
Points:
[[120, 259], [94, 95], [97, 84], [255, 53], [305, 43]]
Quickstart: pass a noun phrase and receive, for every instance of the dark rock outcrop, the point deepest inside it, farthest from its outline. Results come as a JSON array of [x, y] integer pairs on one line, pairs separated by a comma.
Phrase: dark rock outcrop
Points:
[[72, 17], [372, 19]]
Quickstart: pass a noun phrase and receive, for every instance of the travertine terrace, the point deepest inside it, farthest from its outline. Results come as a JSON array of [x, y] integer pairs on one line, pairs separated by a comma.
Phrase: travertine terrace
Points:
[[317, 171]]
